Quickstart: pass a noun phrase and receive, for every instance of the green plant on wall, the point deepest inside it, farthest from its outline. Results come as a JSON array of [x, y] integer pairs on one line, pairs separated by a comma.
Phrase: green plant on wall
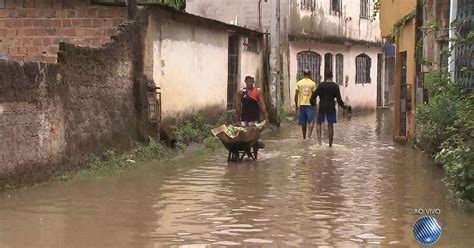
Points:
[[375, 10], [398, 26], [446, 121]]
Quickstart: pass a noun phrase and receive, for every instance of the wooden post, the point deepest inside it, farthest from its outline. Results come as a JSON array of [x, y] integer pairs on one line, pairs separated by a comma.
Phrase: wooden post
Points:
[[274, 91], [131, 9]]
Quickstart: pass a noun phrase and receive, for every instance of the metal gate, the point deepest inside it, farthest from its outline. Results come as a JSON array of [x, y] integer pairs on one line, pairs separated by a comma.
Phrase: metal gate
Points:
[[311, 61], [379, 80], [403, 95], [465, 51], [233, 71]]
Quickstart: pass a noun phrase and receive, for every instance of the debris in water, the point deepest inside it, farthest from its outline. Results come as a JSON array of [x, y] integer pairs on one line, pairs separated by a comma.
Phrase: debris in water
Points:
[[369, 236], [258, 241]]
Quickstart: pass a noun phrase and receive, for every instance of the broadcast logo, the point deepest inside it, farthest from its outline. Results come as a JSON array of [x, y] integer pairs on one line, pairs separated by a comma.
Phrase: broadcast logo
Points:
[[427, 229]]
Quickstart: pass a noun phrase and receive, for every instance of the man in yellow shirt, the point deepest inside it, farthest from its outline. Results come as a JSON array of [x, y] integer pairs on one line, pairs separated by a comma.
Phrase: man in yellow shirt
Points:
[[304, 89]]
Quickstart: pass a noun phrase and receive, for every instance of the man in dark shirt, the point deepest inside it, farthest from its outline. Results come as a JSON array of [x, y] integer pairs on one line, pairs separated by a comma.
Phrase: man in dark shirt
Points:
[[327, 91]]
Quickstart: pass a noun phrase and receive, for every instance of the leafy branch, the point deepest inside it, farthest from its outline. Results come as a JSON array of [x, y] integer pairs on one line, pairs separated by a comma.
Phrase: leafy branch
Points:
[[397, 27]]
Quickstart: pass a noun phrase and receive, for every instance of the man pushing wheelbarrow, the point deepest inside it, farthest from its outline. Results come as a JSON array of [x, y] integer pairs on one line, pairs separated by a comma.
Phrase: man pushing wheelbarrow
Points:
[[243, 138]]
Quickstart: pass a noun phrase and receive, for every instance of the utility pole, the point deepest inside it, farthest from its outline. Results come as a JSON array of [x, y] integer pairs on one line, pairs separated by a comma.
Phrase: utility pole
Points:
[[131, 9], [274, 84]]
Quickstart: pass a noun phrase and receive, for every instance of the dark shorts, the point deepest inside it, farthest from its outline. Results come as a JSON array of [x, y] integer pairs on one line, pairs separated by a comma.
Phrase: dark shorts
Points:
[[306, 114], [330, 116]]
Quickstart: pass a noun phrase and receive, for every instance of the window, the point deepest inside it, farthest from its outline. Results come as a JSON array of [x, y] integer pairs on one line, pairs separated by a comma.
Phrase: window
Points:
[[251, 44], [336, 6], [363, 64], [364, 9], [327, 65], [308, 4], [339, 68], [2, 4], [311, 61]]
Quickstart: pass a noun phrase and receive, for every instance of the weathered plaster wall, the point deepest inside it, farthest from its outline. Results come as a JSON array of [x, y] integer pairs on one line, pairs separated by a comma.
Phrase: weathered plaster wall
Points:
[[53, 115], [187, 57], [406, 44], [189, 64], [360, 96], [324, 23], [245, 11], [435, 41], [30, 30], [250, 63], [392, 11]]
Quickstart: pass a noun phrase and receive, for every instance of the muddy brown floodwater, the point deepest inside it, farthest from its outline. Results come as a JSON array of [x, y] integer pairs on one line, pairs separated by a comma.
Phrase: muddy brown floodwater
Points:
[[360, 193]]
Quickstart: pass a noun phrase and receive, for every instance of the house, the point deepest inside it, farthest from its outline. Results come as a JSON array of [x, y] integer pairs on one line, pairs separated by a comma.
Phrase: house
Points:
[[398, 25], [324, 36], [199, 63], [94, 99], [31, 30]]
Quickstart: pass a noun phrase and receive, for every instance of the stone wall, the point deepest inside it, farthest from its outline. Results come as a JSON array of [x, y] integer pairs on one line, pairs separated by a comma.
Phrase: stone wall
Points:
[[31, 30], [53, 115]]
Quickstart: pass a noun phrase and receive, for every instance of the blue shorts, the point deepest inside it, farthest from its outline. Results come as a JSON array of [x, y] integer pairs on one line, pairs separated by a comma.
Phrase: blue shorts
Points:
[[306, 114], [330, 116]]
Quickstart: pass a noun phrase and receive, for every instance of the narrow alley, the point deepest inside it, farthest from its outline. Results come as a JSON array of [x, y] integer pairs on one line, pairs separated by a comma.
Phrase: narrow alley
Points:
[[362, 192]]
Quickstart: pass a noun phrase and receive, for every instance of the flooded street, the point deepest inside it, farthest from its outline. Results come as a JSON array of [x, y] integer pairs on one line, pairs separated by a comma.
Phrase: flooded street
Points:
[[360, 193]]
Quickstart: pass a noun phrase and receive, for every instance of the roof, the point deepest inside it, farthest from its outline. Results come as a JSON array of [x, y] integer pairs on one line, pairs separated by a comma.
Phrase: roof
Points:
[[230, 27]]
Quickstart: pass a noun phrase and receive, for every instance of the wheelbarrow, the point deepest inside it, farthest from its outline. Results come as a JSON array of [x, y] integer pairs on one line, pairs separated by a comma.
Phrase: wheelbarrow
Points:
[[245, 143]]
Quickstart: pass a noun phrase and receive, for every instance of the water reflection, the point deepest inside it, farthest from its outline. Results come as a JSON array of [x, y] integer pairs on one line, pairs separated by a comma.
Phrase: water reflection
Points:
[[360, 193]]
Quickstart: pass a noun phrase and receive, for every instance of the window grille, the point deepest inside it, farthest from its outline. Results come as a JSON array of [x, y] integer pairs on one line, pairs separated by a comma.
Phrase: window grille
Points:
[[339, 68], [364, 9], [308, 4], [309, 60], [363, 65]]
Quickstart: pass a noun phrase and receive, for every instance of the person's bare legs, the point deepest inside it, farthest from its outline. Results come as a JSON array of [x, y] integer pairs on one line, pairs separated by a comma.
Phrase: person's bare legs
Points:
[[303, 128], [318, 130], [311, 127], [330, 133]]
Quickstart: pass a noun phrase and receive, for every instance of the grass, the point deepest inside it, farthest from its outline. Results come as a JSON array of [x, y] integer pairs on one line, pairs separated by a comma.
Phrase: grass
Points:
[[110, 163]]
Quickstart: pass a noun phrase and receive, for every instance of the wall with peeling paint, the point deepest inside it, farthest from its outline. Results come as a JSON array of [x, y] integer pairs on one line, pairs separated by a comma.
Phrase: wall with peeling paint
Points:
[[187, 57], [359, 96], [322, 22], [54, 115]]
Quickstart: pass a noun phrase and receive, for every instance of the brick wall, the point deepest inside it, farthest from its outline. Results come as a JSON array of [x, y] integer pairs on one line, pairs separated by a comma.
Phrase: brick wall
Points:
[[30, 30], [53, 115]]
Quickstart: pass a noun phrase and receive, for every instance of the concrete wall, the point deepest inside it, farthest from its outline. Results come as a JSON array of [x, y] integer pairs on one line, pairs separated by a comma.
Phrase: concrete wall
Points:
[[250, 63], [392, 11], [187, 56], [435, 41], [324, 23], [245, 11], [189, 64], [52, 116], [406, 44], [30, 30], [359, 96]]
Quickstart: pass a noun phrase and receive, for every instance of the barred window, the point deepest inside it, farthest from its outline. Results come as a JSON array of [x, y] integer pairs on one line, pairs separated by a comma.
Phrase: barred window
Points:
[[364, 9], [308, 4], [363, 65], [339, 68], [336, 6], [327, 65], [251, 44], [2, 4], [308, 60]]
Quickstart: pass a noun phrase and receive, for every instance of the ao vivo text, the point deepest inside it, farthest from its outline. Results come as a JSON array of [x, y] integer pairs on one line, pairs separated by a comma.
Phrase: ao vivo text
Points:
[[427, 211]]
